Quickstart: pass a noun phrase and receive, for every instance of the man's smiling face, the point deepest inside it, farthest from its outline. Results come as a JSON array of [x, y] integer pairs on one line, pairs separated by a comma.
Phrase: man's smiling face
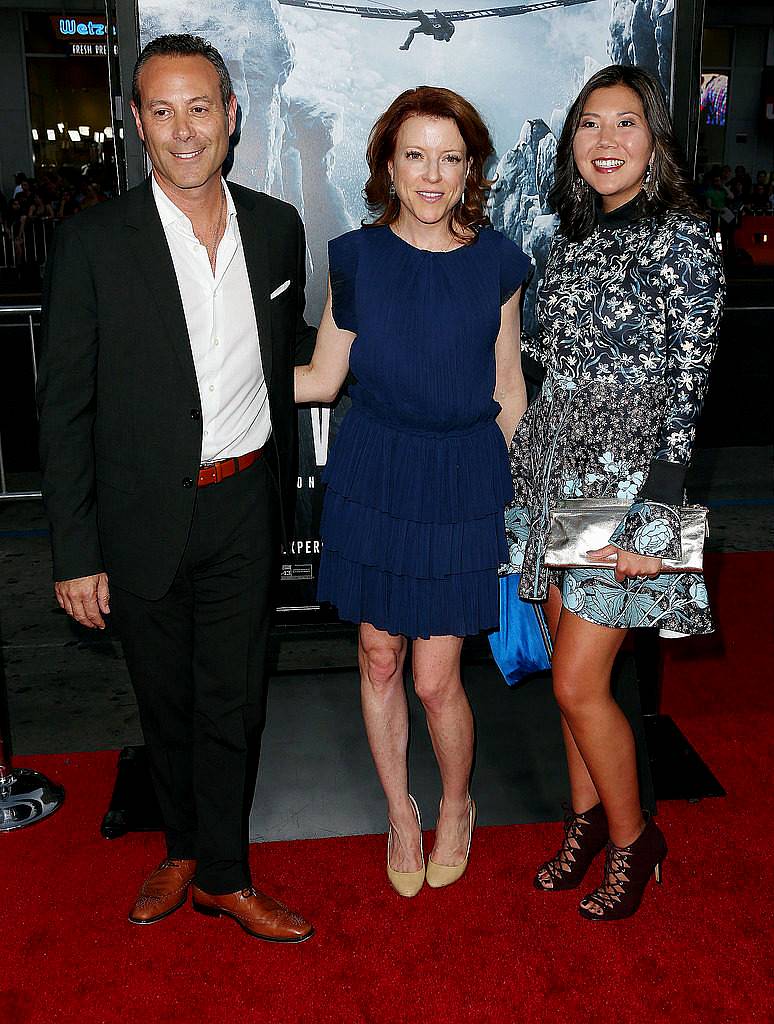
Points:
[[182, 120]]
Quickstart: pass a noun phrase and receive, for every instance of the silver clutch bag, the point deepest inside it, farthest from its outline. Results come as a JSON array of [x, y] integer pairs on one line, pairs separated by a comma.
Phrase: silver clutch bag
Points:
[[579, 525]]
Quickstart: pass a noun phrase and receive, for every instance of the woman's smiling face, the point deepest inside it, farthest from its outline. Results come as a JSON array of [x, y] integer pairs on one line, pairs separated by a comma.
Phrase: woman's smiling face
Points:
[[429, 168], [613, 144]]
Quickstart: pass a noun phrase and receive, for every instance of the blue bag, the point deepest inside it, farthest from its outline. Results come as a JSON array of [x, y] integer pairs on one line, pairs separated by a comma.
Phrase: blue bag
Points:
[[522, 644]]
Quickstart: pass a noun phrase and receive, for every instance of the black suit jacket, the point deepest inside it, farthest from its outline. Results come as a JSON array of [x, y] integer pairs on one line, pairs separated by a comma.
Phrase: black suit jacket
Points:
[[120, 416]]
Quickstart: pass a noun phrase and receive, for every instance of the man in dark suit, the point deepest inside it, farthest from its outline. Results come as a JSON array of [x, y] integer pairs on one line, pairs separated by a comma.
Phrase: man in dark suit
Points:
[[171, 316]]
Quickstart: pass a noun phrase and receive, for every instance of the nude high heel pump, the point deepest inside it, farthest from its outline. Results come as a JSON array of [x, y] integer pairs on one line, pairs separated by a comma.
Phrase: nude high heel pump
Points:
[[406, 883], [439, 875]]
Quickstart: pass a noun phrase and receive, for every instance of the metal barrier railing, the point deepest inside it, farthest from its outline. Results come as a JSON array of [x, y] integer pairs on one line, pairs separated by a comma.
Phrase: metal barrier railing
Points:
[[26, 795], [23, 245], [24, 317]]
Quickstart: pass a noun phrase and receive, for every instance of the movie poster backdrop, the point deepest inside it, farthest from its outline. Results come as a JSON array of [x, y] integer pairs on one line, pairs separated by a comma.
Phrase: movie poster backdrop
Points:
[[311, 78]]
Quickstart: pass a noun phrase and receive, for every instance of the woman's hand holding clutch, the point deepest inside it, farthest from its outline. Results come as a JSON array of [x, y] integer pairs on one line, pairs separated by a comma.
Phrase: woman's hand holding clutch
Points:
[[628, 564]]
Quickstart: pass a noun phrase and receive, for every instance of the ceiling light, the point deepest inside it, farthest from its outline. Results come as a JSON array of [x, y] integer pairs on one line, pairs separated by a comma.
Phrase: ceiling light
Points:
[[75, 136], [51, 134], [35, 134], [84, 130]]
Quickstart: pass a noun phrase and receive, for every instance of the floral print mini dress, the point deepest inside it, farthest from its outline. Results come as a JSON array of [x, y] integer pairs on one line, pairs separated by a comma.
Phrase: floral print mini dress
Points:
[[627, 328]]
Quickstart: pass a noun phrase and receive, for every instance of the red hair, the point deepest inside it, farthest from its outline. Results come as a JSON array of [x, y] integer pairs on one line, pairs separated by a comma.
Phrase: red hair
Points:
[[428, 101]]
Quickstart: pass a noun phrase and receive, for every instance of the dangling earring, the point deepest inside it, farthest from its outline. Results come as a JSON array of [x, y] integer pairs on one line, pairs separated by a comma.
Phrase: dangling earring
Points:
[[649, 184], [462, 197], [580, 188], [392, 187]]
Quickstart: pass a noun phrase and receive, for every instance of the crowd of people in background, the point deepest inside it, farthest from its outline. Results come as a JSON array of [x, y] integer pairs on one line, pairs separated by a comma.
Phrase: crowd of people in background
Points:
[[52, 196], [729, 194]]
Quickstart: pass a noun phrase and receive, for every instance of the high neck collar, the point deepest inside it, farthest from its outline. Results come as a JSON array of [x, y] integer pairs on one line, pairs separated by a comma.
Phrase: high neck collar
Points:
[[626, 214]]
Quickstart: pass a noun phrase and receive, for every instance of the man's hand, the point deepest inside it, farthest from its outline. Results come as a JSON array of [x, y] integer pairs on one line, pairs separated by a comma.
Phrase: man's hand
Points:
[[626, 563], [85, 599]]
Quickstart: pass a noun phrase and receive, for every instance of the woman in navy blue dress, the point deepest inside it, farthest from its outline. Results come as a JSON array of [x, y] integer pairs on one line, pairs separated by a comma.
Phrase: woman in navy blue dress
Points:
[[424, 310]]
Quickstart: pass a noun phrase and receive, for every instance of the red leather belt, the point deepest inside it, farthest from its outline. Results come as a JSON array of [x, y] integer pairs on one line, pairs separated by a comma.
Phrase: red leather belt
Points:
[[214, 472]]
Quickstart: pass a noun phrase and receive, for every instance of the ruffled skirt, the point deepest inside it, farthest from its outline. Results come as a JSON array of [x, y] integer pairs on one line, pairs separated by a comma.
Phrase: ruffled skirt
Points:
[[412, 527]]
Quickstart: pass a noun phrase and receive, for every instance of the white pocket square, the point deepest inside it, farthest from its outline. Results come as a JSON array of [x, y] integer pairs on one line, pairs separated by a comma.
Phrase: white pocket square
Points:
[[278, 291]]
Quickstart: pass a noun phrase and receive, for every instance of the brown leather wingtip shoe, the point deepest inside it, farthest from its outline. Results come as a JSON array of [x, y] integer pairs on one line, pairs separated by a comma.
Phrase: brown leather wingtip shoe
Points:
[[163, 892], [259, 914]]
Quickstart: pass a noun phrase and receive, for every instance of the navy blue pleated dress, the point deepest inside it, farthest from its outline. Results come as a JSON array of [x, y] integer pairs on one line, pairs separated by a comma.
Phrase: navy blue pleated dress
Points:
[[418, 477]]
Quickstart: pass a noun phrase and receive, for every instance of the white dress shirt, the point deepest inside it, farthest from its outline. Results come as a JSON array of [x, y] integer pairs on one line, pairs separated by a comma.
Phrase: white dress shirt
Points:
[[223, 333]]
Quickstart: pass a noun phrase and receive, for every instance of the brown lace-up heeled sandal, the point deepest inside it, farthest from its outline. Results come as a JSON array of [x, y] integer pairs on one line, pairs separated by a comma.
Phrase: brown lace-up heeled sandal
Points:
[[584, 836], [627, 872]]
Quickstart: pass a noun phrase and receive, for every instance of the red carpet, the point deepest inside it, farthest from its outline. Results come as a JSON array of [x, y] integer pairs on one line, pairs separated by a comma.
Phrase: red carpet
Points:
[[487, 949]]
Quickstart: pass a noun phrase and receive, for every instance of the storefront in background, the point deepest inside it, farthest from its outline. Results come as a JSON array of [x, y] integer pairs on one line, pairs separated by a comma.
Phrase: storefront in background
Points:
[[69, 95], [57, 157]]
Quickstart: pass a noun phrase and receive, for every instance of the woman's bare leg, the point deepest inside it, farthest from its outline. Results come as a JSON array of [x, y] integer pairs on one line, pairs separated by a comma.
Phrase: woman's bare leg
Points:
[[385, 713], [583, 793], [583, 660], [437, 681]]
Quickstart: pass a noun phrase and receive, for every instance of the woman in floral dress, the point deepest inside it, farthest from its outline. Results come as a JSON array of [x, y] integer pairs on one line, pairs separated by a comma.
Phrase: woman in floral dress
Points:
[[628, 313]]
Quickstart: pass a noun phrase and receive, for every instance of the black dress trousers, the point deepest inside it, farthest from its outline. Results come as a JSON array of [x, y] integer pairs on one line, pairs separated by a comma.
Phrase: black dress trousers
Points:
[[196, 658]]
